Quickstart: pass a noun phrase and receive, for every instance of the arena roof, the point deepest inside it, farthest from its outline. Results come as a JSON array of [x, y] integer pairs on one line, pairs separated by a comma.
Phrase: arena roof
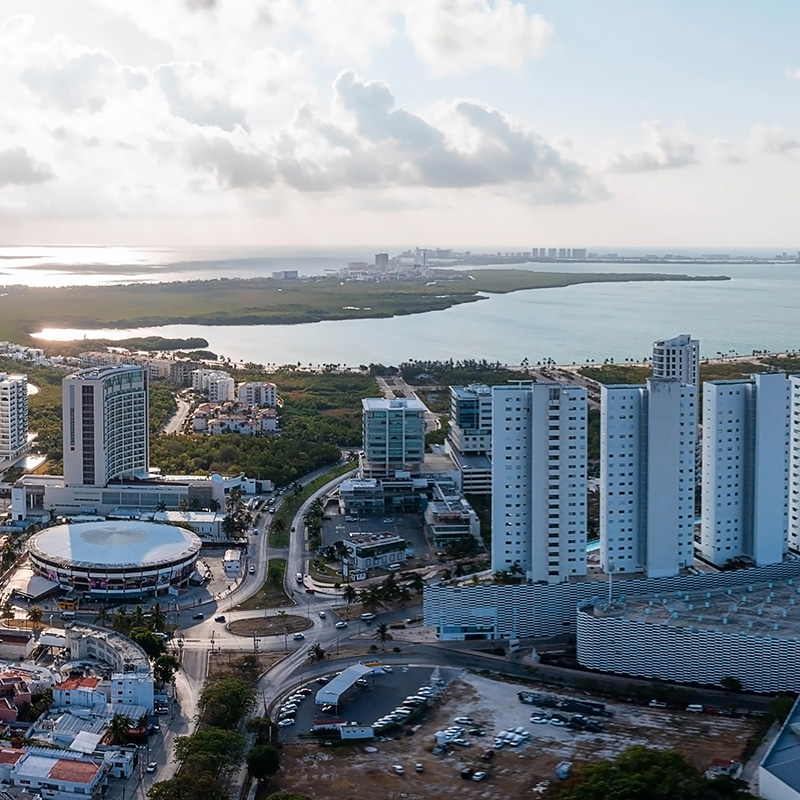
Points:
[[117, 543]]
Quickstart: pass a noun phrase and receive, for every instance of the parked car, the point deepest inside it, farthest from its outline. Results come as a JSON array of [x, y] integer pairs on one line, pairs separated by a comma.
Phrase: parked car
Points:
[[487, 755], [558, 723], [464, 720], [478, 776], [368, 616], [419, 767], [285, 723], [398, 768]]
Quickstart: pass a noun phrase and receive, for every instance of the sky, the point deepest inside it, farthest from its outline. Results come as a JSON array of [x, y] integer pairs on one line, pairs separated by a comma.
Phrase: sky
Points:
[[450, 123]]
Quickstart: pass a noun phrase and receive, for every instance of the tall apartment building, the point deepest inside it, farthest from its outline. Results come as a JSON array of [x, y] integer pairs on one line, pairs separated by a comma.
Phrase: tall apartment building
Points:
[[393, 436], [258, 393], [105, 425], [745, 483], [13, 415], [678, 358], [219, 385], [539, 480], [794, 464], [647, 477], [469, 441]]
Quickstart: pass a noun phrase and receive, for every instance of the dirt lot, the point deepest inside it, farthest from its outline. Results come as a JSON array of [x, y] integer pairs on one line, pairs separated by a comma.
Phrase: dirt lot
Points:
[[327, 773]]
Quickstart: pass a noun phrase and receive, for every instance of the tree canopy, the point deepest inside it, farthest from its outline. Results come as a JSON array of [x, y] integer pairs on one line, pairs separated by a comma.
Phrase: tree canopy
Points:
[[641, 773], [225, 700], [263, 760], [188, 785], [211, 750]]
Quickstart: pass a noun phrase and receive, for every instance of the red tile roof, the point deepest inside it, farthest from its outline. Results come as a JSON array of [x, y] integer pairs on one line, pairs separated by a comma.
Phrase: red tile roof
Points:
[[73, 771]]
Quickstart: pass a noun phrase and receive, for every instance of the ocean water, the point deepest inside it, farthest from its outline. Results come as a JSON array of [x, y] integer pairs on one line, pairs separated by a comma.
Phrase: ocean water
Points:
[[756, 310]]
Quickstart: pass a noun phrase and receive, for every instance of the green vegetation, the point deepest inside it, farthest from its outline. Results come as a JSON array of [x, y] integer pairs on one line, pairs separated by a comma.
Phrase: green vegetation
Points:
[[188, 786], [279, 529], [717, 371], [641, 773], [780, 706], [225, 700], [215, 751], [271, 594], [456, 373], [264, 301]]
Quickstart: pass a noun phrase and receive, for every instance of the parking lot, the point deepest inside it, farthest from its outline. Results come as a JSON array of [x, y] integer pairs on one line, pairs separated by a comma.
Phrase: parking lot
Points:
[[384, 692], [409, 526], [328, 773]]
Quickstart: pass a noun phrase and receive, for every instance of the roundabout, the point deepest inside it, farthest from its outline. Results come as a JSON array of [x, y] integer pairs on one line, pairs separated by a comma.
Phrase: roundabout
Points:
[[269, 626]]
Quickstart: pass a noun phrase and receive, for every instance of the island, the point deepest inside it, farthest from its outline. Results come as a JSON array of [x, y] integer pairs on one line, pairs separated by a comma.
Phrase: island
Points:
[[273, 301]]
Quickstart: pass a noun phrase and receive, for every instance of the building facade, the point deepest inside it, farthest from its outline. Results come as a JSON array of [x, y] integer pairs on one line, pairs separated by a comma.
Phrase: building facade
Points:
[[258, 393], [794, 464], [13, 415], [745, 480], [393, 436], [678, 358], [219, 385], [647, 477], [105, 425], [469, 441], [539, 480]]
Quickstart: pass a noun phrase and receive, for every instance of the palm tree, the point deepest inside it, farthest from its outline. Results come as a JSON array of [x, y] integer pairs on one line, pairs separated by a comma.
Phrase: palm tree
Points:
[[161, 506], [382, 634], [103, 617], [7, 609], [121, 622], [158, 619], [349, 594], [35, 616], [403, 595], [119, 727], [416, 583], [137, 618], [317, 653]]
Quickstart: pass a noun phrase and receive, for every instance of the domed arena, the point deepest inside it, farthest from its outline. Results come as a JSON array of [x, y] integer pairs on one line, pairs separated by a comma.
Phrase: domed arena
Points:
[[115, 558]]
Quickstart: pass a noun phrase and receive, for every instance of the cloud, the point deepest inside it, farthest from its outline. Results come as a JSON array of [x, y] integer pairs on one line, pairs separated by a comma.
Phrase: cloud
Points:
[[191, 93], [17, 167], [461, 36], [664, 150], [775, 140], [793, 73], [373, 144], [201, 5], [722, 151]]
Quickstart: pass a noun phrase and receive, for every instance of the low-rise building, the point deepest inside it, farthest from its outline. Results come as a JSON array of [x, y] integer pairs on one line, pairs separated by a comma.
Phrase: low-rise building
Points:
[[367, 551], [206, 524], [58, 774], [84, 692], [258, 393], [449, 517]]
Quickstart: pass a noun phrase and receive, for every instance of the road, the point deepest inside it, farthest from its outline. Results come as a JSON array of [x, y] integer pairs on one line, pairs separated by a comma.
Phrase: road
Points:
[[176, 422]]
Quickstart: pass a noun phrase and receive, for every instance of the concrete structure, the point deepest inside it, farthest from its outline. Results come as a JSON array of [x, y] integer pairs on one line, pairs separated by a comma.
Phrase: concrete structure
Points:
[[59, 774], [206, 524], [794, 464], [13, 415], [82, 692], [393, 436], [219, 385], [493, 611], [14, 693], [367, 551], [449, 517], [779, 771], [131, 689], [539, 480], [647, 477], [117, 558], [749, 633], [258, 393], [469, 442], [390, 495], [105, 425], [745, 483], [678, 358]]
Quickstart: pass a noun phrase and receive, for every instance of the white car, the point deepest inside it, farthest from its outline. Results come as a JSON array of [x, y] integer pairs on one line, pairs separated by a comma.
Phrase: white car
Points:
[[464, 720], [387, 668], [557, 723], [398, 768], [478, 776], [340, 624], [298, 636], [539, 720], [322, 615], [285, 723]]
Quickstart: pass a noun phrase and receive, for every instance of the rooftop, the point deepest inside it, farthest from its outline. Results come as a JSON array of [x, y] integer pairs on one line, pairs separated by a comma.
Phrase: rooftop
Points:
[[783, 757], [393, 404], [77, 683], [98, 373], [770, 609]]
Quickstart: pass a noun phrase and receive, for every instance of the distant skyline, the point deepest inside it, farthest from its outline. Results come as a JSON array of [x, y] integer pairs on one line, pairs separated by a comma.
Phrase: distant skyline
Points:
[[451, 123]]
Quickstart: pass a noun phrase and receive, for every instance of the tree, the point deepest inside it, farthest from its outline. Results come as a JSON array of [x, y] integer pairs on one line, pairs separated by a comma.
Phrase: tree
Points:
[[211, 750], [225, 700], [122, 622], [35, 616], [349, 594], [188, 786], [780, 706], [416, 583], [103, 617], [164, 667], [7, 610], [382, 634], [640, 773], [119, 727], [158, 619], [263, 760], [263, 728], [731, 684], [153, 645], [138, 619], [317, 653]]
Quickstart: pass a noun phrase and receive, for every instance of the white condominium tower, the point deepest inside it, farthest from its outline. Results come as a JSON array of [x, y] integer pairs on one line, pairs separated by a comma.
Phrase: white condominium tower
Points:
[[13, 415], [105, 425], [539, 480], [794, 463], [678, 358], [647, 477], [745, 469]]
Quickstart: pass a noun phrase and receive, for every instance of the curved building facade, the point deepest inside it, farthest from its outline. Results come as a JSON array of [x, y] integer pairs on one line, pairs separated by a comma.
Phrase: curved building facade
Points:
[[115, 558], [751, 634]]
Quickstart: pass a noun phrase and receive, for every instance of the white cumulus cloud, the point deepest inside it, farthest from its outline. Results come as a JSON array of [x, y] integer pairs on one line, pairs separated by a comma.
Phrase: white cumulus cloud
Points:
[[18, 168], [461, 36], [663, 150], [774, 140]]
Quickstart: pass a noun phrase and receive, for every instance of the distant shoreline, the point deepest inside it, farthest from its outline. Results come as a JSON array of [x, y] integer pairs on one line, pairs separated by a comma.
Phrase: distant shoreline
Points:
[[269, 301]]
